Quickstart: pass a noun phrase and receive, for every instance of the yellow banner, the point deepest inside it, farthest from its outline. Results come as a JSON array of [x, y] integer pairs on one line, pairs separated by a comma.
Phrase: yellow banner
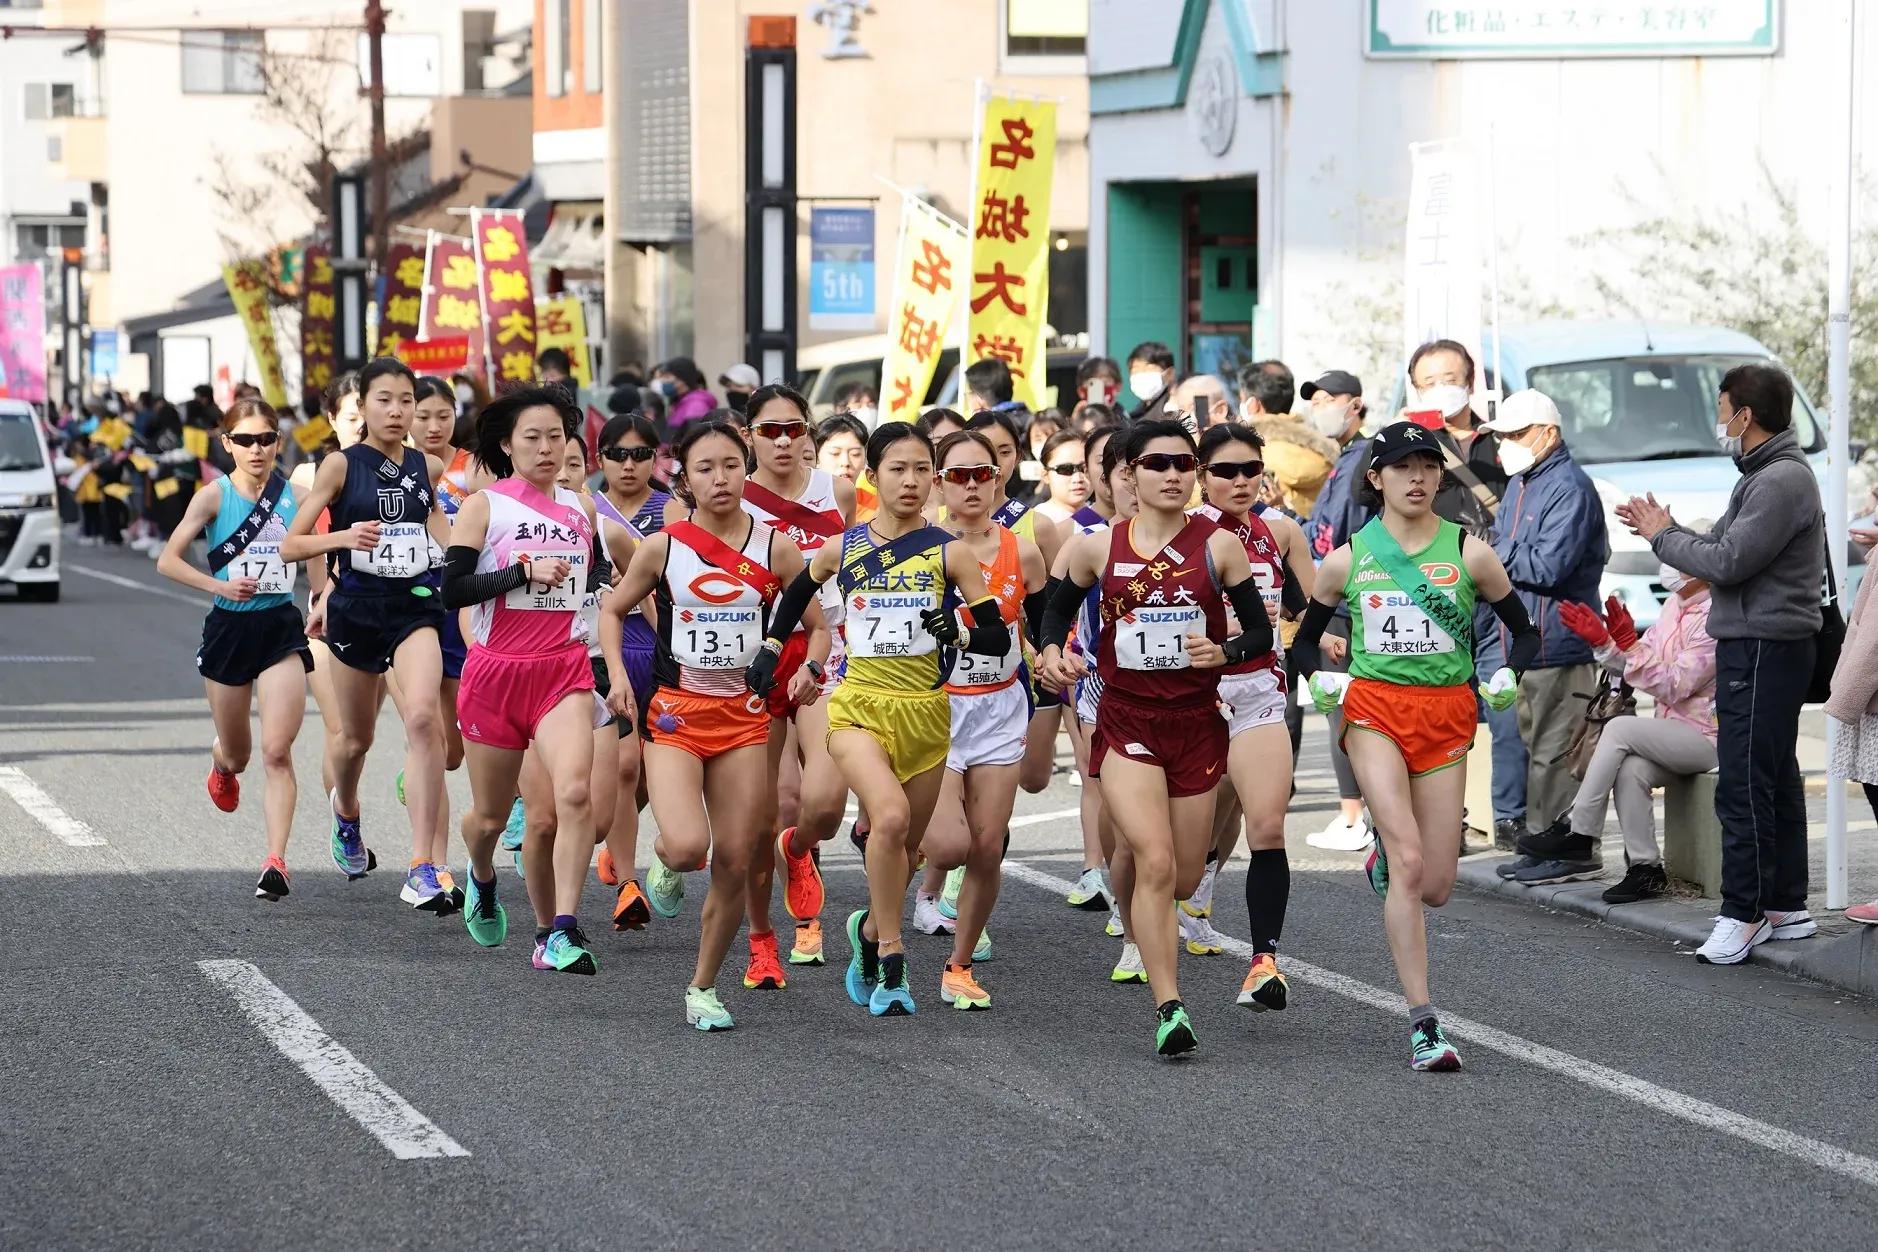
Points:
[[311, 433], [196, 440], [112, 433], [927, 287], [247, 287], [561, 322], [142, 464], [1010, 226], [117, 491], [164, 488]]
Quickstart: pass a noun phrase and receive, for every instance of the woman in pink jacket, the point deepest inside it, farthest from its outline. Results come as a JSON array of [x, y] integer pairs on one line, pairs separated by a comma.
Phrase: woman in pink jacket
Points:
[[1854, 702], [1674, 662]]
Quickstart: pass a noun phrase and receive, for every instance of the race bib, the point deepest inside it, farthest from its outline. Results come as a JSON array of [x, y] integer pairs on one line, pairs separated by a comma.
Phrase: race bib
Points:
[[1394, 625], [261, 561], [1155, 638], [972, 669], [403, 551], [566, 598], [882, 624], [1265, 578], [717, 638]]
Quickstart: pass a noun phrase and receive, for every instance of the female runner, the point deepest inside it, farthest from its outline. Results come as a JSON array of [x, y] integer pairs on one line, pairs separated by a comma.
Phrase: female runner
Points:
[[522, 558], [253, 642], [890, 719], [1110, 497], [384, 612], [1159, 744], [1411, 580], [1068, 477], [716, 574]]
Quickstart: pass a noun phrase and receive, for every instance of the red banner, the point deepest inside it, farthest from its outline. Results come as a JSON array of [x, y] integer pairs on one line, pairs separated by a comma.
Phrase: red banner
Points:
[[452, 297], [508, 297], [318, 320], [445, 355], [402, 302]]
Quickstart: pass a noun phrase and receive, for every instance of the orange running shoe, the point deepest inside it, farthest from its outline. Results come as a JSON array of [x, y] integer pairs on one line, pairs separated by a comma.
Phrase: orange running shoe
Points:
[[609, 873], [802, 893], [958, 988], [1264, 987], [630, 911], [765, 972], [808, 945], [224, 788]]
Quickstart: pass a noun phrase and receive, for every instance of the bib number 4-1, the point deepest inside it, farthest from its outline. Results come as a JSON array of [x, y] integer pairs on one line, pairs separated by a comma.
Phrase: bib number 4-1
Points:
[[1394, 625]]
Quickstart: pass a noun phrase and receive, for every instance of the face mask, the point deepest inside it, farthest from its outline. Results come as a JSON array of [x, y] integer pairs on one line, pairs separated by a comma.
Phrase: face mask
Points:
[[1330, 419], [736, 400], [667, 388], [1447, 398], [1672, 580], [1731, 444], [465, 394], [1146, 384], [1516, 458], [867, 416]]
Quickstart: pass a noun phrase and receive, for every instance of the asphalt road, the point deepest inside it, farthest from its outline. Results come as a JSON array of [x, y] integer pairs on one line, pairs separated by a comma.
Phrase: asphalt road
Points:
[[182, 1065]]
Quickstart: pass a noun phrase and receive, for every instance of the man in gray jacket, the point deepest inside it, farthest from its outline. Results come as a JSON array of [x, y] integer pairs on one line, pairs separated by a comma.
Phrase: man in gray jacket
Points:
[[1765, 560]]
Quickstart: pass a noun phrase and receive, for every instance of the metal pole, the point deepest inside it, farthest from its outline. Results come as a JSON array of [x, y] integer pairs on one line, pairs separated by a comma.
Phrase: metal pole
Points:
[[381, 176], [1839, 385]]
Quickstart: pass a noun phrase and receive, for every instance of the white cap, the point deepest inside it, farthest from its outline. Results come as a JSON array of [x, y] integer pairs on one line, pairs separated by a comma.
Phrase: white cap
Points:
[[1523, 409], [741, 375]]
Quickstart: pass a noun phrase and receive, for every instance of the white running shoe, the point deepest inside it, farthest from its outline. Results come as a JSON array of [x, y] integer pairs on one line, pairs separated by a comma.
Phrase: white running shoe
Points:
[[1090, 892], [1114, 927], [1341, 835], [1200, 903], [1730, 941], [928, 920], [1129, 968], [1200, 937], [1798, 924]]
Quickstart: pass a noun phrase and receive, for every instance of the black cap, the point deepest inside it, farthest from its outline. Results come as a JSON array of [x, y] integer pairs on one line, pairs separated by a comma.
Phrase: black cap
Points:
[[1335, 382], [1398, 440]]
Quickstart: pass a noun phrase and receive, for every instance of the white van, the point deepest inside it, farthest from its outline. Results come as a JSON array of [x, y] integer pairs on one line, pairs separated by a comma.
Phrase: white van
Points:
[[29, 505]]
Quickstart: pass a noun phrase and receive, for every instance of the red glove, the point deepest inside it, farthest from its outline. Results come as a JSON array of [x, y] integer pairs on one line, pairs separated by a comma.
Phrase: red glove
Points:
[[1583, 622], [1623, 626]]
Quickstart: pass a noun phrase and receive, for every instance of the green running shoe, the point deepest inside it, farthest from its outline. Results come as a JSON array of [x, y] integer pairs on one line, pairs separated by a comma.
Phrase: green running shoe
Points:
[[704, 1011], [665, 888], [400, 786], [1377, 867], [1429, 1049], [566, 952], [981, 951], [483, 914], [1174, 1033], [949, 896]]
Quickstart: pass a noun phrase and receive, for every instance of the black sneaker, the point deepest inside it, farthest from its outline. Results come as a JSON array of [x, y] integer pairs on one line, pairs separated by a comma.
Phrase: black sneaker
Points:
[[1643, 881], [1556, 840], [1507, 869], [1557, 870], [1506, 832]]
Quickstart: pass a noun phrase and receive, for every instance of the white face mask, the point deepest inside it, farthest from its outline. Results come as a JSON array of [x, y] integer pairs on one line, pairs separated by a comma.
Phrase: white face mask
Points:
[[1329, 420], [1672, 580], [1146, 384], [1447, 398], [1731, 444], [1516, 458], [465, 394], [867, 417]]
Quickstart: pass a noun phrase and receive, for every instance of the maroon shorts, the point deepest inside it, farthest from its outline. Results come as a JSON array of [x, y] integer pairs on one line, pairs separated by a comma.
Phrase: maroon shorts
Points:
[[1187, 743], [502, 697], [795, 652]]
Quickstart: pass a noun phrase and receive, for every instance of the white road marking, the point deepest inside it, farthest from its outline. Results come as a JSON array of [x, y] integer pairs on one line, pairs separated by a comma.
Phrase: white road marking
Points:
[[198, 601], [40, 807], [1038, 819], [345, 1080], [1814, 1152], [45, 660]]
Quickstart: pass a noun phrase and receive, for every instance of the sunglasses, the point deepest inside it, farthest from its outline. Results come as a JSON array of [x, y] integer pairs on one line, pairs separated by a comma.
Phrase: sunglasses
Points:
[[780, 430], [1066, 469], [621, 455], [265, 439], [1161, 462], [962, 474], [1230, 470]]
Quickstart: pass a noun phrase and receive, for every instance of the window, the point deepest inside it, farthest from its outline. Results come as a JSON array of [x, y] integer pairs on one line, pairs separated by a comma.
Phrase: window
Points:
[[590, 45], [49, 100], [413, 65], [1044, 34], [554, 50], [222, 62], [479, 44]]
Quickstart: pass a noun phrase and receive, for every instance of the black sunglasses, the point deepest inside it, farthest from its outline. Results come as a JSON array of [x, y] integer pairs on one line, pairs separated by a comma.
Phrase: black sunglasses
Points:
[[1066, 468], [264, 439], [622, 454], [1161, 462], [1236, 469]]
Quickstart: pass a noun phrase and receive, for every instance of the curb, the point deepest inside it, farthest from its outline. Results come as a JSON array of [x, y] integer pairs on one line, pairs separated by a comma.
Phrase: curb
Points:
[[1844, 954]]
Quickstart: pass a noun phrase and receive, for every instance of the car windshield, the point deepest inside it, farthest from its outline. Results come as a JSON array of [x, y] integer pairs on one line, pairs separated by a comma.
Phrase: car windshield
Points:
[[19, 444], [1648, 408]]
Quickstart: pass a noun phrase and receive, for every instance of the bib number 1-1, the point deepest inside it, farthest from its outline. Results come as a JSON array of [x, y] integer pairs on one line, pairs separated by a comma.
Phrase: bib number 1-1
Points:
[[1156, 638]]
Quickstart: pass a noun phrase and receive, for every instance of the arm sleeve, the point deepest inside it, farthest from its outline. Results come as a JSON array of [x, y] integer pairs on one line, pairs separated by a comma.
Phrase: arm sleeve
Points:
[[1524, 649], [1304, 644], [1060, 614], [1255, 629], [1292, 594], [790, 608], [463, 586], [600, 569], [1035, 605], [988, 635]]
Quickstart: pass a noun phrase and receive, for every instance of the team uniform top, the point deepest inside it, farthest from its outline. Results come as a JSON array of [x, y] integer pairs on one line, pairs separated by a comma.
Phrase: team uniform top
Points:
[[531, 620], [888, 649], [453, 487], [711, 620], [649, 519], [260, 560], [1392, 639], [395, 494], [808, 521], [973, 674], [1149, 605], [1268, 572]]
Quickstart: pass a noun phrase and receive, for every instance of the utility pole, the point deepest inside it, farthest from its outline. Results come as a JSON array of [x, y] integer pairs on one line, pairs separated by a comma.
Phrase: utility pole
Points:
[[381, 190]]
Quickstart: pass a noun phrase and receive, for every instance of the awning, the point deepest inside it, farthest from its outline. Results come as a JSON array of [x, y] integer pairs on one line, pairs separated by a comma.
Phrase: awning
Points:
[[575, 238]]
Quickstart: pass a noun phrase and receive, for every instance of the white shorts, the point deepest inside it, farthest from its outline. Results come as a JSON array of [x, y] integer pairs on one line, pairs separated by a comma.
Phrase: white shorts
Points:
[[988, 728], [1088, 697], [1251, 700]]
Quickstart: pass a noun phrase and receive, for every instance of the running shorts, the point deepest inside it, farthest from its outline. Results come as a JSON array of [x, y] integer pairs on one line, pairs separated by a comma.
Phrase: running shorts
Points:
[[988, 728], [795, 652], [704, 726], [913, 727], [601, 690], [364, 631], [1088, 698], [1186, 742], [1249, 700], [1433, 727], [450, 643], [636, 653], [239, 645], [503, 696]]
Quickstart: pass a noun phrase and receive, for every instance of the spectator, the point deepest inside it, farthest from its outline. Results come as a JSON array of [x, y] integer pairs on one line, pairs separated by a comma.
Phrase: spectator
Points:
[[1674, 662], [1090, 416], [1266, 387], [1297, 458], [1150, 379], [471, 395], [738, 382], [553, 366], [652, 404], [1203, 398], [1854, 702], [861, 400], [1098, 380], [1765, 562], [989, 388], [623, 399], [632, 372], [1337, 413], [1043, 426], [681, 383], [1442, 374]]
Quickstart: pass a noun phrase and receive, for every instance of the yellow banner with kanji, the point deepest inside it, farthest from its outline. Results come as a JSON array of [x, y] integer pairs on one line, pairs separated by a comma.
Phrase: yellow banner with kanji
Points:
[[561, 323], [1010, 227], [927, 289], [247, 287]]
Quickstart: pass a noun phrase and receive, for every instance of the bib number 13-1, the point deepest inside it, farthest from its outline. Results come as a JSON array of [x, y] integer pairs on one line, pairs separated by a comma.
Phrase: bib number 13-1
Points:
[[1155, 638]]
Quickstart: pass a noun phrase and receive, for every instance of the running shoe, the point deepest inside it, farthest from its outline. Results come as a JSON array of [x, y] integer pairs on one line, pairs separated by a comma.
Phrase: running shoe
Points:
[[604, 867], [274, 879], [512, 831], [857, 835], [399, 785], [981, 951], [949, 896], [224, 787], [566, 952], [958, 988], [1430, 1050], [1129, 968], [423, 892], [1342, 835], [1173, 1030], [665, 888], [1090, 892], [1377, 866], [928, 920], [891, 997], [447, 881], [704, 1011], [521, 866], [764, 972], [483, 915], [349, 851], [807, 946], [1113, 928], [1199, 936], [1728, 944], [802, 890], [1798, 924], [1264, 987], [863, 960], [629, 910], [1200, 903]]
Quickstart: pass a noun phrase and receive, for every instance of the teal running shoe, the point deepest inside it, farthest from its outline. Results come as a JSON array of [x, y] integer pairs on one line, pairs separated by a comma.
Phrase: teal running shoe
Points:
[[891, 997], [512, 832], [1173, 1031], [348, 844], [949, 897], [704, 1011], [1429, 1049], [863, 961], [665, 888], [981, 951], [483, 914], [566, 952], [1377, 866], [520, 870]]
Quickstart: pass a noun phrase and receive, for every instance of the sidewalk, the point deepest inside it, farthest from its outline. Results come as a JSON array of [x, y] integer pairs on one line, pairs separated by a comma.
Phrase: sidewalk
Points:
[[1843, 954]]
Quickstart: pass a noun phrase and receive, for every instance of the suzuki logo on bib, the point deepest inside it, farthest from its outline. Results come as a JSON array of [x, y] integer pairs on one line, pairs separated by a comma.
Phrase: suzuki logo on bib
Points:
[[390, 504], [713, 587]]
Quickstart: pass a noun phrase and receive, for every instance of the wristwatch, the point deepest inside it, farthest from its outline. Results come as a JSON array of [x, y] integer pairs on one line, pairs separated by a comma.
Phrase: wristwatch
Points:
[[815, 670]]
